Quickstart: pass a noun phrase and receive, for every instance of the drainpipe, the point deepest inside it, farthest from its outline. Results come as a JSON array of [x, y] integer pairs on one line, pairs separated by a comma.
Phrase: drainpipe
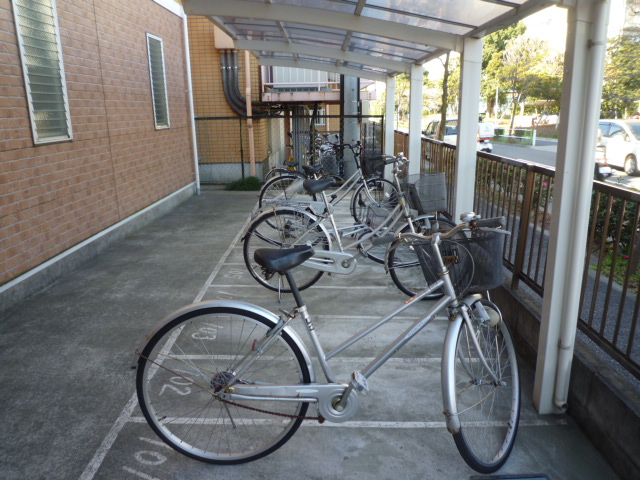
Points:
[[600, 16], [236, 107], [192, 114], [252, 153]]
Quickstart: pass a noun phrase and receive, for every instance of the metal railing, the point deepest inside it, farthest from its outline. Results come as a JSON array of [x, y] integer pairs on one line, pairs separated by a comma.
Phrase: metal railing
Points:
[[523, 193]]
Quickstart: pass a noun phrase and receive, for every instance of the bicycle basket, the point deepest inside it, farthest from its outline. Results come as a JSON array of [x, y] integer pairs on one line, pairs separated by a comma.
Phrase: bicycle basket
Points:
[[373, 166], [474, 261], [375, 216], [426, 192]]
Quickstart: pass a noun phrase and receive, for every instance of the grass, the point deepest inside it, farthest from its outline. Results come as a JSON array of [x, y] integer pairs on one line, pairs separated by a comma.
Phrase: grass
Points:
[[245, 184], [620, 271]]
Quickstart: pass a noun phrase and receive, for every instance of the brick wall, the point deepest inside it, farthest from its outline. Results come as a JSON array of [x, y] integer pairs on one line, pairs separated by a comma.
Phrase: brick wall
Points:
[[222, 139], [54, 196]]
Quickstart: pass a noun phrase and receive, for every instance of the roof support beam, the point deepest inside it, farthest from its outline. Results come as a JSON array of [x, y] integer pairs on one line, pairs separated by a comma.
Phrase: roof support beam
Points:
[[333, 53], [326, 67], [322, 18], [415, 118]]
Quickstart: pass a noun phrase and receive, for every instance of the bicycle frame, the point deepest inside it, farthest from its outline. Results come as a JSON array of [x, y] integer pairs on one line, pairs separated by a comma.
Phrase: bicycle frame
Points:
[[338, 402]]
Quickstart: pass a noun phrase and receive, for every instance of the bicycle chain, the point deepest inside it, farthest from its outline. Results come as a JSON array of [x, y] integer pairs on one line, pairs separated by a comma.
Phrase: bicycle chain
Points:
[[319, 418]]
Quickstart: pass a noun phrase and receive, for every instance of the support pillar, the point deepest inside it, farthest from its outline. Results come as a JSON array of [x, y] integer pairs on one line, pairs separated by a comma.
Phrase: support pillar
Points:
[[389, 122], [415, 118], [469, 113]]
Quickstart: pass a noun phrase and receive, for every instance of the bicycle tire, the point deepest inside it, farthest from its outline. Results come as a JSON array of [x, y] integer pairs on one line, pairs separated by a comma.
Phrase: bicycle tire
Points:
[[276, 188], [488, 412], [284, 228], [193, 355], [384, 194], [278, 172], [402, 260]]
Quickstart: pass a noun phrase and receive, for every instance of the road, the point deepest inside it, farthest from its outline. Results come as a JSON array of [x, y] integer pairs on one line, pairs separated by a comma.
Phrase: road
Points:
[[545, 153]]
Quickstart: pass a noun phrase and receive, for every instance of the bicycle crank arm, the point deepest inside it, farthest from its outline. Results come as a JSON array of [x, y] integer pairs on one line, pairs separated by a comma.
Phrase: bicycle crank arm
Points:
[[332, 262]]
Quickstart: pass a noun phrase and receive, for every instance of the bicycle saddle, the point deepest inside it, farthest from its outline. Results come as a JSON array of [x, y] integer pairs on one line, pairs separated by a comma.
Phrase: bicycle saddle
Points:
[[311, 169], [281, 260], [317, 186]]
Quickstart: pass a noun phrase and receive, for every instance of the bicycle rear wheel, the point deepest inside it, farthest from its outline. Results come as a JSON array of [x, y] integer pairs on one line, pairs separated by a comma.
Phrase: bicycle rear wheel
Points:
[[192, 358], [284, 228], [402, 261], [488, 411], [283, 188], [376, 192]]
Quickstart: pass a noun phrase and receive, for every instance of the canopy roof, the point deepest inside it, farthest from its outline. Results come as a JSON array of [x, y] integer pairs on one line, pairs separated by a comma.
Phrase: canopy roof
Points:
[[365, 38]]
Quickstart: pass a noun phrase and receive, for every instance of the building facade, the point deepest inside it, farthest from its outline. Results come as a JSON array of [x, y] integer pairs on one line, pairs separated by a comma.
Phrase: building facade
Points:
[[124, 138]]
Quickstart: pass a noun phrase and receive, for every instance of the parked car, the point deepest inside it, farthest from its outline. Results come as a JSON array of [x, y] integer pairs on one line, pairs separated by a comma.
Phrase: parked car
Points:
[[602, 169], [485, 133], [621, 140]]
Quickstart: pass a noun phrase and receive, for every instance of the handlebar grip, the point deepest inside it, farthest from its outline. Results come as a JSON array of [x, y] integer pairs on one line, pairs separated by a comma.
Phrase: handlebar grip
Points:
[[496, 222]]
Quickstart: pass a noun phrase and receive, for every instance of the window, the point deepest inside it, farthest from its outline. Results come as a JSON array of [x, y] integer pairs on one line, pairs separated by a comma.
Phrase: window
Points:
[[158, 81], [42, 65]]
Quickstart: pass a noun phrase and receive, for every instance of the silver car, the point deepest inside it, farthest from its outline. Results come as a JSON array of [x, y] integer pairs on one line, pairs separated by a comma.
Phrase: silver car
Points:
[[621, 139]]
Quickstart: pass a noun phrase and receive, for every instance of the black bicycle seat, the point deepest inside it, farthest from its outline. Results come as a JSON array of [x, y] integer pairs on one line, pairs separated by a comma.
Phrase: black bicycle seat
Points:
[[311, 169], [317, 186], [281, 260]]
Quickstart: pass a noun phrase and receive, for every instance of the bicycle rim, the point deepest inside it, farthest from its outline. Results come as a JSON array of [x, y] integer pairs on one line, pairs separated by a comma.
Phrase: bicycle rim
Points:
[[284, 228], [404, 266], [278, 189], [375, 192], [185, 362], [488, 412]]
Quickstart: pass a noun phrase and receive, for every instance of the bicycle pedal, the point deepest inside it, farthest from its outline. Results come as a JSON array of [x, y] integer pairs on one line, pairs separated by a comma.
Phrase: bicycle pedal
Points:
[[359, 382]]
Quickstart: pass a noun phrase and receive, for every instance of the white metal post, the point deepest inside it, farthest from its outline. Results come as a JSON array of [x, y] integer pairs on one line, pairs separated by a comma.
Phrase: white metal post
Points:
[[389, 121], [583, 73], [470, 77], [415, 118]]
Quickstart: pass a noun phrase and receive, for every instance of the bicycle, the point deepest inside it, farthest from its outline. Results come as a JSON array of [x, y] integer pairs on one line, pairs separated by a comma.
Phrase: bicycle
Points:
[[291, 223], [228, 382], [366, 184]]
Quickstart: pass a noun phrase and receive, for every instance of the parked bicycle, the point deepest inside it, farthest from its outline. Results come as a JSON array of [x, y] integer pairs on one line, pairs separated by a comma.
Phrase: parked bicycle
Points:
[[293, 223], [228, 382], [365, 185]]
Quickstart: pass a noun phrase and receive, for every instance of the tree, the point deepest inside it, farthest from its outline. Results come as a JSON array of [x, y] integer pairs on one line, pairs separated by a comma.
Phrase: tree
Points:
[[621, 84], [403, 91], [521, 67], [492, 58]]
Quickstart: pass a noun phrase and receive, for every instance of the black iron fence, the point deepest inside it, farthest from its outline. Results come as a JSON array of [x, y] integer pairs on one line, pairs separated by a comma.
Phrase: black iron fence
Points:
[[523, 193]]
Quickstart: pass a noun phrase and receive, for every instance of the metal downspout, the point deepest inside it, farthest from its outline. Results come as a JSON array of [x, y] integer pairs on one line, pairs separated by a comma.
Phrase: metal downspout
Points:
[[568, 326], [194, 140]]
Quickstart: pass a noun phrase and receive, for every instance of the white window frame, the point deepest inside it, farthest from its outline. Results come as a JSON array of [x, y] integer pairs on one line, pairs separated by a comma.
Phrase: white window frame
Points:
[[38, 137], [154, 94]]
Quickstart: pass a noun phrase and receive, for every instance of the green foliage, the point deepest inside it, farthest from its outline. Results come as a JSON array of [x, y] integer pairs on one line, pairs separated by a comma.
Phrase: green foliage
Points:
[[621, 86], [245, 184]]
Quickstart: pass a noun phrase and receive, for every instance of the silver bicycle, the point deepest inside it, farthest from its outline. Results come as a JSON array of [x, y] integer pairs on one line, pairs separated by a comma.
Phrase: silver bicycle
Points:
[[228, 382], [364, 187], [290, 223]]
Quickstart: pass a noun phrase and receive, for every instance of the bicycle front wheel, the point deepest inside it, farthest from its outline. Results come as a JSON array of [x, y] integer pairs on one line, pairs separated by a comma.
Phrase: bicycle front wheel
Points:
[[403, 263], [192, 358], [284, 228], [488, 409], [375, 192]]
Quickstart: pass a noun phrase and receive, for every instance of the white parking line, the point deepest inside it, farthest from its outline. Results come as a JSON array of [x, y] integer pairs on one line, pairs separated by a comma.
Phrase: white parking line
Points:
[[125, 415]]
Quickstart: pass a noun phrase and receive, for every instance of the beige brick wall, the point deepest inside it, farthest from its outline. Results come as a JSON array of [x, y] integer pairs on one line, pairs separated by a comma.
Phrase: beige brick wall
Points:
[[219, 138], [54, 196]]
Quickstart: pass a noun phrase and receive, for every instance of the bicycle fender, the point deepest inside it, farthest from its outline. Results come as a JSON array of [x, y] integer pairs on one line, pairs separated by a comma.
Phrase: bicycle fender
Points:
[[232, 304]]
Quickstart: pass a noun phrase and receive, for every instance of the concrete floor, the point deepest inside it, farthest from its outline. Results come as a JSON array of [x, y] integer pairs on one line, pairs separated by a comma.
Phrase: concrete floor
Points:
[[67, 392]]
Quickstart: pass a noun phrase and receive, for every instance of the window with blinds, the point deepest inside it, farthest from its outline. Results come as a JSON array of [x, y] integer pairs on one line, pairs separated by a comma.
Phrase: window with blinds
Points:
[[43, 69], [158, 81]]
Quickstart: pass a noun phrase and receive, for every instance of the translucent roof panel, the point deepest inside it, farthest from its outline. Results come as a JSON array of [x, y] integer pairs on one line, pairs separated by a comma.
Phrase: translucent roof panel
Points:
[[382, 36]]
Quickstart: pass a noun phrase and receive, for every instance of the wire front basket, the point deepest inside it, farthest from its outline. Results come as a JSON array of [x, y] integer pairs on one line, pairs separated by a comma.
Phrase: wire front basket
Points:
[[426, 192], [372, 166], [474, 261]]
